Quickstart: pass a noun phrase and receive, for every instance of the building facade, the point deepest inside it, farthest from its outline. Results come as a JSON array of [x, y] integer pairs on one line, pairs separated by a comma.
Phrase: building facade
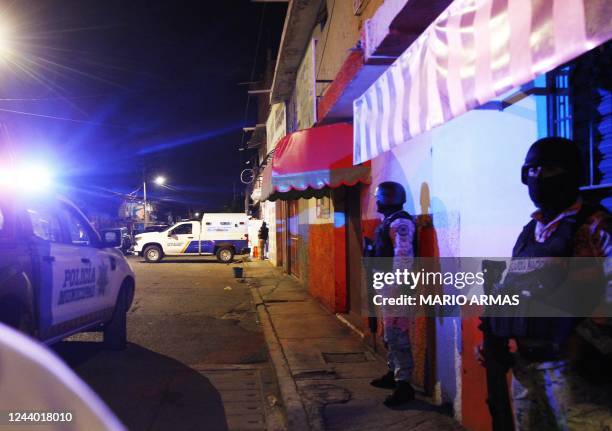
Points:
[[440, 97]]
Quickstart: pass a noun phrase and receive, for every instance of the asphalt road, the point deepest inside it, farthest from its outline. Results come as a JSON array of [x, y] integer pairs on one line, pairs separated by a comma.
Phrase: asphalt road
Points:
[[196, 357]]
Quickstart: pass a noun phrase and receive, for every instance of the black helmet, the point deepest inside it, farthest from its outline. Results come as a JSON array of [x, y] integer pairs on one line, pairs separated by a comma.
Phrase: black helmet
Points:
[[554, 151], [390, 193]]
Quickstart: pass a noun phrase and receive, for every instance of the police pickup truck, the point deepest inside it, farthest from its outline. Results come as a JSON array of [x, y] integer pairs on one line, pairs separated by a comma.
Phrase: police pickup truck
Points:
[[57, 275], [220, 234]]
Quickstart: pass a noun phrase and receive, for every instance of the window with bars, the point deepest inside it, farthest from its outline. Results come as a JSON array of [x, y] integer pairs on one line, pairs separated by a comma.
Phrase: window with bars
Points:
[[558, 102], [579, 106]]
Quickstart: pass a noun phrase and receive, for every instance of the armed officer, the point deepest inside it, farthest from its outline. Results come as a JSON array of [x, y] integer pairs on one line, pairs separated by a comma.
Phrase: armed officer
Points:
[[548, 392], [395, 238]]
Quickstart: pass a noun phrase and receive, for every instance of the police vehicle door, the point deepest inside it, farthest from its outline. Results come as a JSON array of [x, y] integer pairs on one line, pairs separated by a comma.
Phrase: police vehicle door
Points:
[[81, 294], [183, 239], [54, 256]]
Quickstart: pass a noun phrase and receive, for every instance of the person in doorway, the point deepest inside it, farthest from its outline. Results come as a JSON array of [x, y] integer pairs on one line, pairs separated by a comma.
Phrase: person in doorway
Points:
[[550, 389], [395, 238], [263, 240]]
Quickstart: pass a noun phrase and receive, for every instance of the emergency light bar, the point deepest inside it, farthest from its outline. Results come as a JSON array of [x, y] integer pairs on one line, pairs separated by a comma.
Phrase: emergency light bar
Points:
[[31, 178]]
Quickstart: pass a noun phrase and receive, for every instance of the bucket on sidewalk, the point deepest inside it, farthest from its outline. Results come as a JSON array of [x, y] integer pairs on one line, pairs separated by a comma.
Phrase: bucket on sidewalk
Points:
[[255, 252], [238, 272]]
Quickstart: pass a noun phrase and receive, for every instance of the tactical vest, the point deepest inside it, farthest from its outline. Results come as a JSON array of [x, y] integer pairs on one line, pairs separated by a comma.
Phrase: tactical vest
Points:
[[383, 246], [552, 330]]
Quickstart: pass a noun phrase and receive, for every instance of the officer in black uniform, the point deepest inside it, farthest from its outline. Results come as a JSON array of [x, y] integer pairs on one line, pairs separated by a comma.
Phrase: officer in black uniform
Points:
[[395, 238], [547, 391]]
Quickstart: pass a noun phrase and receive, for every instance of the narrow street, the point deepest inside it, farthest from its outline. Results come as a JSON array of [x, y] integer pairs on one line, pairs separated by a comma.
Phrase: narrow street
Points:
[[196, 357]]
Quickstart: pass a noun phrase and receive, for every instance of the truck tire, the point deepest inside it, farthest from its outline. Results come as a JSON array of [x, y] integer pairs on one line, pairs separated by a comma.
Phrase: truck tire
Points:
[[115, 331], [18, 317], [153, 253], [225, 254], [26, 322]]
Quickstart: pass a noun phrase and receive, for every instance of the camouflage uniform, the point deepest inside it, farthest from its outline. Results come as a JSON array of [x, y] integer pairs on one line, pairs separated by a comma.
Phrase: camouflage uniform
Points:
[[552, 395], [397, 339]]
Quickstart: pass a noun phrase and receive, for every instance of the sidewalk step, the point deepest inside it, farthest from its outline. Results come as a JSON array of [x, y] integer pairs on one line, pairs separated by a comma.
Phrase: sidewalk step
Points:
[[325, 370], [344, 358], [244, 393]]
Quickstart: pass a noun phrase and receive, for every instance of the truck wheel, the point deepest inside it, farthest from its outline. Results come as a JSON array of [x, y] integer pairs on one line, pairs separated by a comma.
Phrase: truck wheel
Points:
[[18, 317], [26, 322], [115, 331], [225, 254], [152, 254]]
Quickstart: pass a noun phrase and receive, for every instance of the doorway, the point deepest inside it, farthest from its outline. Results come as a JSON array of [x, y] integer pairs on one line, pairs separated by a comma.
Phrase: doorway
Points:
[[293, 237]]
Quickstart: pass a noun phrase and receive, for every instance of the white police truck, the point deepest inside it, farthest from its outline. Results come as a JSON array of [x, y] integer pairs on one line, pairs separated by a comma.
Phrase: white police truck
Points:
[[220, 234], [58, 276]]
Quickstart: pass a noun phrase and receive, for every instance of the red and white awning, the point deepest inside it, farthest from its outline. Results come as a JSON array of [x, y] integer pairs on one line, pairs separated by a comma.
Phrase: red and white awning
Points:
[[474, 51], [308, 162]]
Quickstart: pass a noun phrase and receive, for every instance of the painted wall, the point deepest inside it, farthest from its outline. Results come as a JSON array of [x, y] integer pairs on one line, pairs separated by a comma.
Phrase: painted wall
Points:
[[339, 34], [466, 175], [324, 253], [269, 216]]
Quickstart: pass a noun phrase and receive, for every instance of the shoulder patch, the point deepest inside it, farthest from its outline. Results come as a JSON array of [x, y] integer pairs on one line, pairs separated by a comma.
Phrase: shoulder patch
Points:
[[403, 226]]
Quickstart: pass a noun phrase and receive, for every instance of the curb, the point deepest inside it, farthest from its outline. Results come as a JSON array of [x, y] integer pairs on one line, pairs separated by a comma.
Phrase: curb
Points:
[[297, 418]]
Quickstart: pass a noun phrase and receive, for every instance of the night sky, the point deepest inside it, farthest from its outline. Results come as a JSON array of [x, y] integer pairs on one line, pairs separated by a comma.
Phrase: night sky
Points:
[[135, 86]]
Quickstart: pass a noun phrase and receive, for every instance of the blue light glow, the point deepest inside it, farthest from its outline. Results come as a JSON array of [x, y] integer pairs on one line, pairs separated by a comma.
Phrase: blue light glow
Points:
[[26, 178], [185, 140], [339, 219]]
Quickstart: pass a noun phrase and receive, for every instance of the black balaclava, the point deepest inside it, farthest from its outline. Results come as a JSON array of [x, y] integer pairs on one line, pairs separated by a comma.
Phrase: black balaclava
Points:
[[553, 194], [390, 197]]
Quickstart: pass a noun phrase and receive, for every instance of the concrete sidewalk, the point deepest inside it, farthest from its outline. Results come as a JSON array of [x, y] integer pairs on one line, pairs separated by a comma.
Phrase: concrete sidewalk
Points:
[[323, 367]]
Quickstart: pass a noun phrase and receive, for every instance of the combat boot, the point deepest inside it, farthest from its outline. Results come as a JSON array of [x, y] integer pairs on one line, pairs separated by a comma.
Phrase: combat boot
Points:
[[403, 393], [385, 382]]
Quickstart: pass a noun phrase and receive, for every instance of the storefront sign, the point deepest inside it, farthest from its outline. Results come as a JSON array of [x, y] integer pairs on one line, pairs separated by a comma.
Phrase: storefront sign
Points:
[[276, 125], [305, 90]]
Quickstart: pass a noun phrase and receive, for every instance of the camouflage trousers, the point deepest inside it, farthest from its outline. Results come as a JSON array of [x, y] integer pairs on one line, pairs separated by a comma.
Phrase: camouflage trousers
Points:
[[399, 352], [552, 396]]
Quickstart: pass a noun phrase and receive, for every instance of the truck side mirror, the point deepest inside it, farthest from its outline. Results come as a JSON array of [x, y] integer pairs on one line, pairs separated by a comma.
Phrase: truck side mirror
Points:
[[111, 238]]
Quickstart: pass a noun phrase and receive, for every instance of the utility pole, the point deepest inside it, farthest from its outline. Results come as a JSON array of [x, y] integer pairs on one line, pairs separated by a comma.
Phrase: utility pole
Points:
[[146, 213]]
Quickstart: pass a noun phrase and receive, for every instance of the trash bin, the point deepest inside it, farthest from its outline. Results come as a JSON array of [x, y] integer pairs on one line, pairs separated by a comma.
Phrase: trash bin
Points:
[[238, 272]]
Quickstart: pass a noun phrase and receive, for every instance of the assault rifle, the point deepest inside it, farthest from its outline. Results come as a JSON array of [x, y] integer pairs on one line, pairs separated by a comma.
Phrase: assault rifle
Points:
[[368, 251], [497, 356]]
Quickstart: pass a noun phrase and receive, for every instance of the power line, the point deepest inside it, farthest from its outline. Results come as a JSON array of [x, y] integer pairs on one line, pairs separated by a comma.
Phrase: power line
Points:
[[73, 120], [45, 99]]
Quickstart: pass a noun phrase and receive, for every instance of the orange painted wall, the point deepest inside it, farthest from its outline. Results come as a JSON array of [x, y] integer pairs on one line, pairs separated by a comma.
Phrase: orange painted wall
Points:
[[321, 257], [474, 412]]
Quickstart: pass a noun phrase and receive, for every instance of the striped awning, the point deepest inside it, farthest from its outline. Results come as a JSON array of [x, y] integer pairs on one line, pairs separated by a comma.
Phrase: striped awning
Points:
[[474, 51]]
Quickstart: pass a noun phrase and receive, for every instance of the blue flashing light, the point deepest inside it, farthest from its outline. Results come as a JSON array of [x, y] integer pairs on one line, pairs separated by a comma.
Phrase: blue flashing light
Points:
[[26, 178]]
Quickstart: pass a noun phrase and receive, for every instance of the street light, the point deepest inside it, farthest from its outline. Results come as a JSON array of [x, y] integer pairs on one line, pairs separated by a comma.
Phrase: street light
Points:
[[6, 48], [160, 181]]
